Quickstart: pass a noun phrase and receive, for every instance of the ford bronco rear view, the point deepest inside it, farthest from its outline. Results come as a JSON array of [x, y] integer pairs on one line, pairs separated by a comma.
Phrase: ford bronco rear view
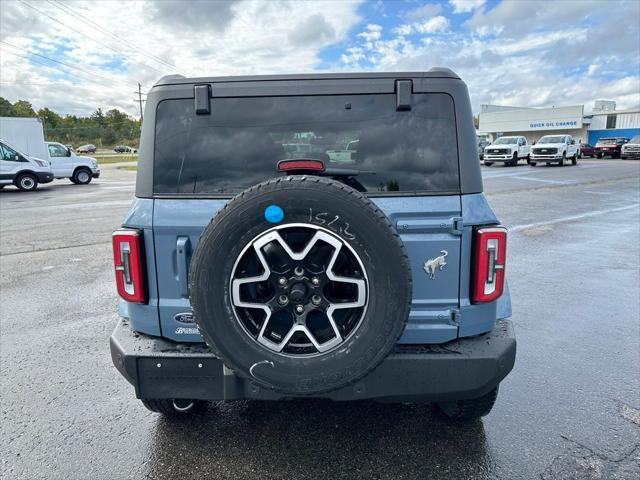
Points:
[[312, 236]]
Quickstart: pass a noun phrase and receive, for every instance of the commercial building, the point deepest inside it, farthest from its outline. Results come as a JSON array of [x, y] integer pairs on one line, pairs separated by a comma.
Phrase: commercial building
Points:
[[614, 123], [603, 121]]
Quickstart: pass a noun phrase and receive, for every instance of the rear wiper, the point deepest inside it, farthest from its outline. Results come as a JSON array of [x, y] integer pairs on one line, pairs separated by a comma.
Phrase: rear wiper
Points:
[[346, 172]]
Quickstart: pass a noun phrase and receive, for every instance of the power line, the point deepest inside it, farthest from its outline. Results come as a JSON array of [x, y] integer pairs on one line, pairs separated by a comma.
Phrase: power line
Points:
[[65, 64], [25, 83], [120, 52], [59, 69], [70, 10]]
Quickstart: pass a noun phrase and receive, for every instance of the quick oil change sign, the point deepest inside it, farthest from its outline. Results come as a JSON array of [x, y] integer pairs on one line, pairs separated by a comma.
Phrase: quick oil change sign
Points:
[[555, 124]]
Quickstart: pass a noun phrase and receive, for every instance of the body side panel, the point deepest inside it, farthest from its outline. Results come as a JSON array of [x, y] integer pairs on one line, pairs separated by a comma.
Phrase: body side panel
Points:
[[144, 318]]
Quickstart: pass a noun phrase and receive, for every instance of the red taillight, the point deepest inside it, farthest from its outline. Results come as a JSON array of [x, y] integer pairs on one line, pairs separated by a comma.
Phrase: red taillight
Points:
[[301, 165], [490, 254], [129, 265]]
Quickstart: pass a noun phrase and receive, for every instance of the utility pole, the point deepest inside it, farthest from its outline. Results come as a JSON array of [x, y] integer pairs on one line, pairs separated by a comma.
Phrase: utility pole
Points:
[[139, 92]]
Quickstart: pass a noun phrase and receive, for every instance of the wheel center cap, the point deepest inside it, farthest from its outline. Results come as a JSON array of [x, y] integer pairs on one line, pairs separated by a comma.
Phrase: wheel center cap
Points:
[[298, 292]]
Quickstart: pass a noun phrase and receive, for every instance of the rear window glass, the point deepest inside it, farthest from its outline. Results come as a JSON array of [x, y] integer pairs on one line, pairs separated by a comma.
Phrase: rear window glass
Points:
[[361, 139]]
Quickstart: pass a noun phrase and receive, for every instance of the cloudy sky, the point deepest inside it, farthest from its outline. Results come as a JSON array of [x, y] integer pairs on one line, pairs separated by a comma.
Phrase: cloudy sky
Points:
[[75, 56]]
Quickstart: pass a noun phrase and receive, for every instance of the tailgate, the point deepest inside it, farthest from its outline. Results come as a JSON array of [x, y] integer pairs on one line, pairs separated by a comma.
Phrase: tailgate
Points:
[[429, 227]]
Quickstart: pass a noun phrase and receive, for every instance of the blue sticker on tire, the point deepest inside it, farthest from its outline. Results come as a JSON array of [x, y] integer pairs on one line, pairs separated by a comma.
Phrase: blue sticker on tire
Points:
[[273, 214]]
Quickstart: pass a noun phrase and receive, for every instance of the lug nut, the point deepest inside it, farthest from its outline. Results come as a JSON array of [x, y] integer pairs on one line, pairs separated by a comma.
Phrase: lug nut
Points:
[[316, 299], [315, 281], [283, 300], [282, 281], [299, 309], [298, 271]]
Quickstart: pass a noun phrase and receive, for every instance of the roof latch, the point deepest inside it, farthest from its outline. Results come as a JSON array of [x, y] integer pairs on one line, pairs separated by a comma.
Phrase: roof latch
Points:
[[201, 94], [404, 90]]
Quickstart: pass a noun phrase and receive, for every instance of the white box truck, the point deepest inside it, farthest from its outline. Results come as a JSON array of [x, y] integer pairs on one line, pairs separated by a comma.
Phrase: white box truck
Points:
[[27, 136]]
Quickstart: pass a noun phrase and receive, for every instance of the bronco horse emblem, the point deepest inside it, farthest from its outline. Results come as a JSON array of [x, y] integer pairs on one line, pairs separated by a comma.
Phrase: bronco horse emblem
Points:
[[430, 266]]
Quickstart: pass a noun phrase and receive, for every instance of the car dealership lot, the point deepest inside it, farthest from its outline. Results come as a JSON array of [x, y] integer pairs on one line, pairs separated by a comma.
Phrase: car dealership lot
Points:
[[570, 407]]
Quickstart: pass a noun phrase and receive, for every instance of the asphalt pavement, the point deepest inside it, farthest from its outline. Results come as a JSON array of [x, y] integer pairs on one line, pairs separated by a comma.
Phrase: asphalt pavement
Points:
[[569, 409]]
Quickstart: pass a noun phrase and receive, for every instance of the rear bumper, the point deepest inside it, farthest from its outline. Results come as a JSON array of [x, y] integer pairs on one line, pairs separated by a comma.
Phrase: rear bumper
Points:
[[465, 368]]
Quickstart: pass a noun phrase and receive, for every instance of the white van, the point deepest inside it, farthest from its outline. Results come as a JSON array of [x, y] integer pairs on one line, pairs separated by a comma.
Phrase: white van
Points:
[[22, 170], [27, 136]]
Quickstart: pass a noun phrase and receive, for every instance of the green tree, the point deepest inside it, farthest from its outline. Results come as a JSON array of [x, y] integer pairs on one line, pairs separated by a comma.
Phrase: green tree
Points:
[[6, 108], [23, 108], [104, 129], [50, 118], [98, 117]]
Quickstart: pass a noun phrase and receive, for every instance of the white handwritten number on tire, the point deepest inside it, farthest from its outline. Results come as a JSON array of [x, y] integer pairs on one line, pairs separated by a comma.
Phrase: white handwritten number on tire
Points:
[[335, 224]]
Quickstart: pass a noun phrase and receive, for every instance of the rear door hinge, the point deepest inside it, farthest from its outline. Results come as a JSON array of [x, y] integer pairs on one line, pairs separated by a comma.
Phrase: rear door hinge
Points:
[[457, 226], [202, 99], [404, 93]]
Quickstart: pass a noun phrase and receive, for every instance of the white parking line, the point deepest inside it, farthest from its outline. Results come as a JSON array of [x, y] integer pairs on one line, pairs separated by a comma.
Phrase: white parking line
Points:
[[486, 174], [570, 218], [73, 206], [594, 192], [559, 182]]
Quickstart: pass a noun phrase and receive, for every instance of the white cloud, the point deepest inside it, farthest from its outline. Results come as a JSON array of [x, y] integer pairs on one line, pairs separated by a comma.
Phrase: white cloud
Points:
[[465, 6], [200, 38], [405, 29], [372, 32], [427, 10], [433, 25], [567, 63]]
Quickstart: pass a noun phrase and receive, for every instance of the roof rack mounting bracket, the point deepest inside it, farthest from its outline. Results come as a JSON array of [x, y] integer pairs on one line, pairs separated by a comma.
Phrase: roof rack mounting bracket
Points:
[[404, 91], [202, 96]]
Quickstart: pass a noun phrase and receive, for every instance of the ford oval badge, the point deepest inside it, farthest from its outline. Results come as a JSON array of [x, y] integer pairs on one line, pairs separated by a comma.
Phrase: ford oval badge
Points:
[[184, 317]]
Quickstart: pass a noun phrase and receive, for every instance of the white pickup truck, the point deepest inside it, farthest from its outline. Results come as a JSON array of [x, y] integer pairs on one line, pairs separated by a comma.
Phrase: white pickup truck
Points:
[[345, 155], [66, 164], [508, 150], [555, 149]]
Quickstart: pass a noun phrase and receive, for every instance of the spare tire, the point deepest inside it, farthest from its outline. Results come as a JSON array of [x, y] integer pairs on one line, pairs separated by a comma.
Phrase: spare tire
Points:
[[301, 285]]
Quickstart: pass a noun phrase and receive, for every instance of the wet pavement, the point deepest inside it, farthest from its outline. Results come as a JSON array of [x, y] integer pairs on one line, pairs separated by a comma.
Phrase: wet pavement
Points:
[[570, 408]]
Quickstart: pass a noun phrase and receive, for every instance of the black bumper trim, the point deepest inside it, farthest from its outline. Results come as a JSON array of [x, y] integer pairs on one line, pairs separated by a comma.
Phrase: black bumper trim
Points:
[[464, 368], [44, 177]]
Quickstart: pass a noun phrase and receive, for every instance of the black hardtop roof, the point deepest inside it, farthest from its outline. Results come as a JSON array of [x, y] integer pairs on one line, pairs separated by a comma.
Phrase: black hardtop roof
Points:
[[435, 80], [435, 72]]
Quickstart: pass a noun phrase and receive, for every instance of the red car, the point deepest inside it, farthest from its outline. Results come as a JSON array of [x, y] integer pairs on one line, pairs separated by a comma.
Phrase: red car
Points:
[[610, 146], [90, 148], [586, 150]]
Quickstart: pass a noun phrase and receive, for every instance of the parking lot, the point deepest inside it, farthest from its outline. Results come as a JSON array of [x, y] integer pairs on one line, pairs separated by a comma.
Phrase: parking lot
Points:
[[570, 409]]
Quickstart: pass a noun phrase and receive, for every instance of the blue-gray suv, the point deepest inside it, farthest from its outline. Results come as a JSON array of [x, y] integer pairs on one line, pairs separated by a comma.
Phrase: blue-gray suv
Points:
[[312, 236]]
